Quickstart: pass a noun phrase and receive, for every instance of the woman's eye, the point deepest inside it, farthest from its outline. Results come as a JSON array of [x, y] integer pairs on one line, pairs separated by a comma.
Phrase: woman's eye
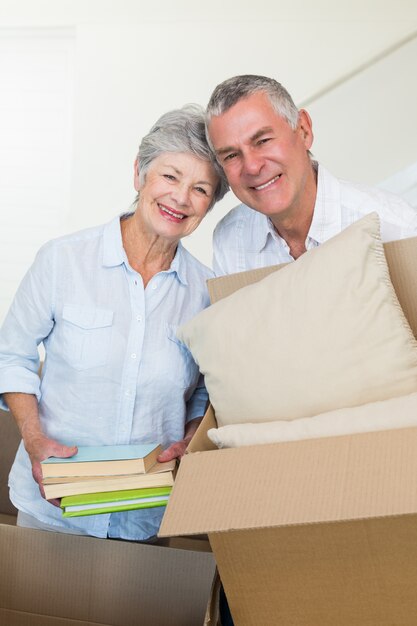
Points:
[[201, 190], [169, 176]]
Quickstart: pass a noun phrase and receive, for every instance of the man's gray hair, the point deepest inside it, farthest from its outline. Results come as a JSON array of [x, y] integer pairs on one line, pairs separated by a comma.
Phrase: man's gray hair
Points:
[[229, 92], [180, 130]]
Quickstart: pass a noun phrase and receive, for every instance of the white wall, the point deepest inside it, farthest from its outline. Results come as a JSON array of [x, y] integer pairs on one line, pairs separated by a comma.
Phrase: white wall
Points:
[[135, 61], [367, 127]]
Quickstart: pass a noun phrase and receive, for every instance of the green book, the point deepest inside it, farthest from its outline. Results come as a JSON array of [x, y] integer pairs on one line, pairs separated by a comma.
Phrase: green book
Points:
[[113, 501]]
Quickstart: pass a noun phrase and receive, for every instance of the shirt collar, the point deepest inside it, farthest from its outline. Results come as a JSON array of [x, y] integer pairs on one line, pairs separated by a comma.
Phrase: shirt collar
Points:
[[327, 217], [179, 264], [114, 253], [262, 229]]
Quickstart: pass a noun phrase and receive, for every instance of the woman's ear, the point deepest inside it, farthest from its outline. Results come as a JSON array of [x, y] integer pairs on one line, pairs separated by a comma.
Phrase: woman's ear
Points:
[[136, 181]]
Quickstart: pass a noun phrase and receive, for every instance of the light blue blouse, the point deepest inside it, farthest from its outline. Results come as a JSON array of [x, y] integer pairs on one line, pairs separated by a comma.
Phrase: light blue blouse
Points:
[[114, 371]]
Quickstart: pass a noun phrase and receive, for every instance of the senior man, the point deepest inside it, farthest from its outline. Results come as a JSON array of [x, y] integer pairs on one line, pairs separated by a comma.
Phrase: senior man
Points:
[[290, 203]]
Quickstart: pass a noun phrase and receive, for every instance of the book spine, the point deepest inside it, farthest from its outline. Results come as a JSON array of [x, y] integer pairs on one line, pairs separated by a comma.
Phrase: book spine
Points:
[[115, 509]]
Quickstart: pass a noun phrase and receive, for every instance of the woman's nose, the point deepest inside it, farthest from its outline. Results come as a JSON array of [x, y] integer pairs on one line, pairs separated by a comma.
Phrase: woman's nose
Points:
[[181, 195]]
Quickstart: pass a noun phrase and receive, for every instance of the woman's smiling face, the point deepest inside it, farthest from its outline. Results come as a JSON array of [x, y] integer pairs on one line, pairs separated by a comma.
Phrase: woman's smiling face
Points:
[[176, 194]]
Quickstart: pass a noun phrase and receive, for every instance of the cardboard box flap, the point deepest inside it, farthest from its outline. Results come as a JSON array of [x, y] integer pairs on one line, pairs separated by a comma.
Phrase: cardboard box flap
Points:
[[402, 263], [95, 581], [224, 286], [244, 488], [200, 441], [20, 618]]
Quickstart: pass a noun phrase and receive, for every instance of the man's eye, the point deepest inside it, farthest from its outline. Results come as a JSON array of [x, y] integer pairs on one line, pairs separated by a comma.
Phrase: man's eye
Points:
[[230, 156], [264, 140]]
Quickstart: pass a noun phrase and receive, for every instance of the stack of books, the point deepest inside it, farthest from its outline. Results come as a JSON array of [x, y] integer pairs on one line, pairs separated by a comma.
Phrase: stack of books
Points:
[[106, 479]]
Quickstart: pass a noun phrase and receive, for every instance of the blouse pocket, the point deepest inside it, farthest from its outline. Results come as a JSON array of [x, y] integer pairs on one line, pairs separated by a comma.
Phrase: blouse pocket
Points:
[[86, 336], [186, 369]]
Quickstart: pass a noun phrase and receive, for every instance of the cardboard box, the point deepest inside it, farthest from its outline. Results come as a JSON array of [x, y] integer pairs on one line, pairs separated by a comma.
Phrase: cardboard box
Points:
[[51, 579], [320, 532], [9, 442]]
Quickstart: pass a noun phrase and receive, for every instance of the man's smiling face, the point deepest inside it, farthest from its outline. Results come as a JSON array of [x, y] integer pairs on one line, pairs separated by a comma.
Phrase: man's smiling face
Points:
[[266, 161]]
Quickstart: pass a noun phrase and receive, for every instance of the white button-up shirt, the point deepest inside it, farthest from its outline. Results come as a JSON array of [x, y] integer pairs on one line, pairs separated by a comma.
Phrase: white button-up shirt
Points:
[[114, 371], [245, 239]]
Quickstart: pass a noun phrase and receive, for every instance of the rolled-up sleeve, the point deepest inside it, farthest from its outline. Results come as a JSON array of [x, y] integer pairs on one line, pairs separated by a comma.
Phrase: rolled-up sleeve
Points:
[[28, 322]]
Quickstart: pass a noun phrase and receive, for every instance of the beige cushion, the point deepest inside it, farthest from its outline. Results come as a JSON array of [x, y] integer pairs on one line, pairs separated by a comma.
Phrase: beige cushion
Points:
[[324, 332], [400, 412]]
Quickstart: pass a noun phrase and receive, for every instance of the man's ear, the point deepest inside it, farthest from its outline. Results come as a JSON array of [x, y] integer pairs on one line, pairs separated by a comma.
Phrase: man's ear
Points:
[[305, 128], [136, 182]]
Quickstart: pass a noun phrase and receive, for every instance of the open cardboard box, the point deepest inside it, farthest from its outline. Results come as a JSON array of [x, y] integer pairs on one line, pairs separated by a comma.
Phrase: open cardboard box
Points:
[[51, 579], [320, 532]]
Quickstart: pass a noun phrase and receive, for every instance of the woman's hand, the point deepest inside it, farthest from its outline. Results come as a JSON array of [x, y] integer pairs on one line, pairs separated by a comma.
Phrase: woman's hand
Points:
[[40, 447], [24, 408], [177, 449]]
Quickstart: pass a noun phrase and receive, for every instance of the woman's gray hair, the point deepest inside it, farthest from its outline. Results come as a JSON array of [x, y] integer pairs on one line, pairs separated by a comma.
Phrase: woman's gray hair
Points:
[[229, 92], [181, 130]]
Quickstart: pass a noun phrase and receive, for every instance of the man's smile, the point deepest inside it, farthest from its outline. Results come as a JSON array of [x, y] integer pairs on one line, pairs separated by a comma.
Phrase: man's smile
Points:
[[267, 184]]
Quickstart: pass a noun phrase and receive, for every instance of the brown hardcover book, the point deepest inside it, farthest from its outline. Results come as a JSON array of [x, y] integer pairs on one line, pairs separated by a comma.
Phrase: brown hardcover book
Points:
[[104, 461], [112, 483], [155, 469]]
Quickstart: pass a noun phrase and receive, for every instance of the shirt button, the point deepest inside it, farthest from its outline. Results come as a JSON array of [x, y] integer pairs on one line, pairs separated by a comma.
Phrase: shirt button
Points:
[[154, 286], [133, 355], [139, 318]]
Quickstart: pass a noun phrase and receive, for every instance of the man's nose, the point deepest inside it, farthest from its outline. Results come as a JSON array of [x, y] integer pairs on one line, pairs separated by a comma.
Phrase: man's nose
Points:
[[252, 163]]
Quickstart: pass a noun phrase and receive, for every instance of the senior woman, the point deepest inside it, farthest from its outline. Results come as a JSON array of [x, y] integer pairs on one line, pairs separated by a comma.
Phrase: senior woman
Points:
[[106, 303]]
